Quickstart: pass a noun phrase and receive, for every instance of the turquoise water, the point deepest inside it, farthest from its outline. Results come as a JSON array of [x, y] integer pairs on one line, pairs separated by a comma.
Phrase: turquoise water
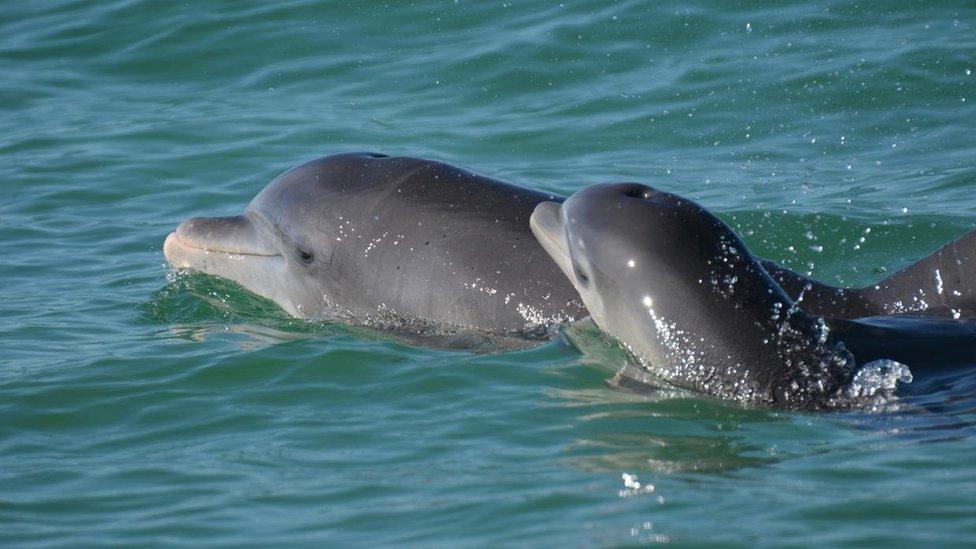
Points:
[[141, 408]]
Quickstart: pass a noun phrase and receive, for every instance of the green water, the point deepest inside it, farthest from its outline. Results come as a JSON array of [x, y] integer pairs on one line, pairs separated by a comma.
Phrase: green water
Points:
[[141, 409]]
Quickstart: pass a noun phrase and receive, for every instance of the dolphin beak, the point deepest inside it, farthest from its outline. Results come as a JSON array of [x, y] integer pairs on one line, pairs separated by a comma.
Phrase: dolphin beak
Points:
[[236, 249], [198, 237], [547, 226]]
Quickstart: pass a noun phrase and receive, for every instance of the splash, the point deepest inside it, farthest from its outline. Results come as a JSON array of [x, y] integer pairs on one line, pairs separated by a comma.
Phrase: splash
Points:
[[878, 378]]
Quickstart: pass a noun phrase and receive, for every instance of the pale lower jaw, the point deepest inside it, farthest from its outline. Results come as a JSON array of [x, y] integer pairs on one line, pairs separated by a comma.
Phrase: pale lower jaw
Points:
[[261, 274], [548, 230]]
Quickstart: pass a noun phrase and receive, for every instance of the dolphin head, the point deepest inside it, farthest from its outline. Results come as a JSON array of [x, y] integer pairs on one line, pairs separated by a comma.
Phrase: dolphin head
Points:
[[280, 247], [622, 246]]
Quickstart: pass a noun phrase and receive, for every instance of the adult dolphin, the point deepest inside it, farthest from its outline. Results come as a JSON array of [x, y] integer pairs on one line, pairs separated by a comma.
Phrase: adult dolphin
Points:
[[677, 287], [371, 239], [368, 238]]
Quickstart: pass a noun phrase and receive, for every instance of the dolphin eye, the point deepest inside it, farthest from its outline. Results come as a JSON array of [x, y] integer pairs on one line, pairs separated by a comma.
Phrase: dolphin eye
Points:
[[580, 274], [305, 256]]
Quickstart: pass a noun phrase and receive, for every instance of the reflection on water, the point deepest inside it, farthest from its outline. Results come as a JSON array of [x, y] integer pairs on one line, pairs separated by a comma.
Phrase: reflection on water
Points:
[[643, 424], [667, 454], [222, 306]]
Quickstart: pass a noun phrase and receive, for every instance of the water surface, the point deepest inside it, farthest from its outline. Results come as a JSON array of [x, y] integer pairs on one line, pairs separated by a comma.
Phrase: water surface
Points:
[[137, 408]]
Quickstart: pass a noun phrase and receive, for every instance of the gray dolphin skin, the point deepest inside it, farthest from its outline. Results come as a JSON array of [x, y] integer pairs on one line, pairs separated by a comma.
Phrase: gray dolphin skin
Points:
[[392, 242], [678, 288], [370, 239]]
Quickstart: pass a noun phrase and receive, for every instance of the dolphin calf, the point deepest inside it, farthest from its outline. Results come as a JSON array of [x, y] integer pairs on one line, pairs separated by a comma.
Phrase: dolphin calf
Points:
[[682, 292]]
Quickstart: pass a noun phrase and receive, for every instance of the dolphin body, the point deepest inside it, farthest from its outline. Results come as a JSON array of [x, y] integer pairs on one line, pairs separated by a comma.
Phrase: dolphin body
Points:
[[682, 292]]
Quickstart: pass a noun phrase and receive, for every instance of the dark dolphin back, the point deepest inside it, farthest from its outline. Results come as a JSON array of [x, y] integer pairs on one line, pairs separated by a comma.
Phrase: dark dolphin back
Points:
[[945, 280]]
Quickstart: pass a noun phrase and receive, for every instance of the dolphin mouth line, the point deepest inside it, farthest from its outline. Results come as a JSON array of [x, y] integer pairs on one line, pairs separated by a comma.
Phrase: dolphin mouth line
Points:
[[558, 243], [186, 244], [549, 230]]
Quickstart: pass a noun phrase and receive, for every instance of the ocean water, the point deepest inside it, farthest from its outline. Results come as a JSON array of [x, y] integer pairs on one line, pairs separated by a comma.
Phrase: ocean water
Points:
[[142, 408]]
